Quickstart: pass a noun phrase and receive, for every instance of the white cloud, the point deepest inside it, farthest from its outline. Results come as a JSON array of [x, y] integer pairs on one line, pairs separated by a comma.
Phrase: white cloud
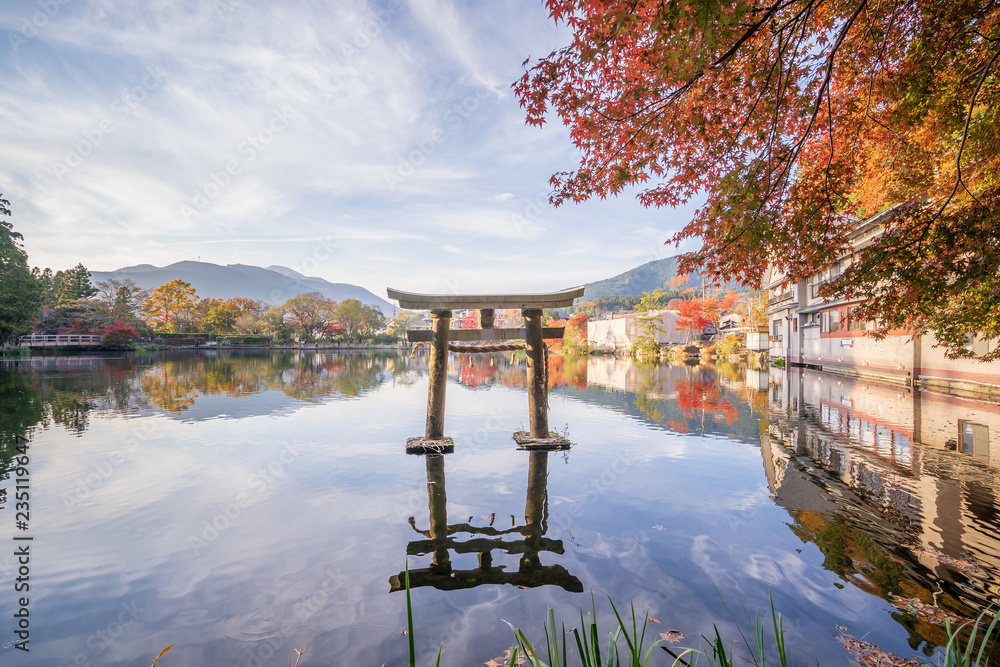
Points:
[[416, 90]]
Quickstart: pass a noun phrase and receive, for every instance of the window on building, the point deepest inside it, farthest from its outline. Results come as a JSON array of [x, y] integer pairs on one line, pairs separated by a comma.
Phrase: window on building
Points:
[[975, 439], [824, 322], [854, 323], [977, 344], [834, 321], [776, 327]]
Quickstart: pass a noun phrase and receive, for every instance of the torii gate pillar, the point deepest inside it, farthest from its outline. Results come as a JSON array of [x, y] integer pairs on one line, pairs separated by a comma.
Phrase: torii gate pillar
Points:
[[438, 369], [538, 390]]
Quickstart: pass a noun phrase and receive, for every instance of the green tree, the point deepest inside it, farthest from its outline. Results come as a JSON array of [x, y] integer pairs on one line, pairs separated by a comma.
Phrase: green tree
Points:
[[357, 318], [47, 280], [402, 321], [272, 321], [170, 306], [72, 285], [80, 316], [20, 291], [648, 322]]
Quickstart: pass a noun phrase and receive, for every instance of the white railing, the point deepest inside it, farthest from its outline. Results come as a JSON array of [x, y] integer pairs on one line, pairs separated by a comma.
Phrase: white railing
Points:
[[40, 340]]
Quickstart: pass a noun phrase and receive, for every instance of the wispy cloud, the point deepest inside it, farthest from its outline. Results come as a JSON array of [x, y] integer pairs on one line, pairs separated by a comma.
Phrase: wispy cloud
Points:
[[191, 160]]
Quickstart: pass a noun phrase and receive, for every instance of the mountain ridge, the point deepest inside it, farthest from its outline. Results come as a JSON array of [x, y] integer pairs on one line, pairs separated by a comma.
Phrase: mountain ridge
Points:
[[648, 277], [228, 281]]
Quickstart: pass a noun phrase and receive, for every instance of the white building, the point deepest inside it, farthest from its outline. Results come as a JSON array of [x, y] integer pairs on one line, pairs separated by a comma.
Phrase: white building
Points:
[[621, 333], [807, 330]]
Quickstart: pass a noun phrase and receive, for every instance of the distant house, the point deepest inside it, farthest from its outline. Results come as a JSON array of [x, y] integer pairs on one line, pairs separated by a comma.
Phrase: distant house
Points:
[[730, 323], [757, 339]]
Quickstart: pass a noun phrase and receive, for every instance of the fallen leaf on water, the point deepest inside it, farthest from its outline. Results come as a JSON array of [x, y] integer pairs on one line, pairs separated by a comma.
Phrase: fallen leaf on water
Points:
[[658, 527], [924, 611], [406, 632], [504, 660], [871, 655], [841, 628], [672, 636], [652, 620], [520, 586]]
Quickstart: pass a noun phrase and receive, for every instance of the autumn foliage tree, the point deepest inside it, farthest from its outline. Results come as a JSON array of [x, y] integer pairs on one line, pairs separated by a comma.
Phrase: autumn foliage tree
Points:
[[575, 337], [170, 306], [119, 336], [692, 318], [797, 120], [309, 313], [122, 298], [227, 316]]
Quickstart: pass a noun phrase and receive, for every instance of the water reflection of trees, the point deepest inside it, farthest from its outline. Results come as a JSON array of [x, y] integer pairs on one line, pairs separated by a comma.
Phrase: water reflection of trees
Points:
[[174, 385], [69, 392], [680, 398], [21, 411], [478, 371]]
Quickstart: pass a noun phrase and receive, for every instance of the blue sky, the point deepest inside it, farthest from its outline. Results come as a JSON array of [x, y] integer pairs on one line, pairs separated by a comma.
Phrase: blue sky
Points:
[[378, 144]]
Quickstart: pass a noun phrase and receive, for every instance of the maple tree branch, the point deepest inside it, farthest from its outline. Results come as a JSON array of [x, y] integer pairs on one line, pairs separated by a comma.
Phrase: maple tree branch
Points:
[[719, 63], [750, 31], [787, 161], [965, 135], [824, 90], [879, 70]]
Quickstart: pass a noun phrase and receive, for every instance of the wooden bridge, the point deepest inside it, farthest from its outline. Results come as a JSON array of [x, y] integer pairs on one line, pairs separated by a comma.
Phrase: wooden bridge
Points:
[[62, 340]]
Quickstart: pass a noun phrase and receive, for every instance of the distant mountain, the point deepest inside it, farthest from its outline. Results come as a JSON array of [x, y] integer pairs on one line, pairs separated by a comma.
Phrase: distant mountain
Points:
[[647, 278], [274, 285]]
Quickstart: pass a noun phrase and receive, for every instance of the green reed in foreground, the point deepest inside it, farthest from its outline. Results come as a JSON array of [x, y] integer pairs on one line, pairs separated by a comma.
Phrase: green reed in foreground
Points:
[[760, 639], [975, 650]]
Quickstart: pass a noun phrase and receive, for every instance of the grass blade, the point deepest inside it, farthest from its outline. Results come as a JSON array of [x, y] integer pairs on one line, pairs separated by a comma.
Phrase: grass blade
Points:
[[409, 618], [779, 633]]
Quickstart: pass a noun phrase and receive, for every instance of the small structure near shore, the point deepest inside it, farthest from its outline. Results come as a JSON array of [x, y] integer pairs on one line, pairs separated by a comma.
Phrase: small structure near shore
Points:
[[486, 339]]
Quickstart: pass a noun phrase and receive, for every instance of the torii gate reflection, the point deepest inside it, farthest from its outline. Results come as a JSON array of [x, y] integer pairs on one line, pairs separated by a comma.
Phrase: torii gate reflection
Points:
[[441, 541]]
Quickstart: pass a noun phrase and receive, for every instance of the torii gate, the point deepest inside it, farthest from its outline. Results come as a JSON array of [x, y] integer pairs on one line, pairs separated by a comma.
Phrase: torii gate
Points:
[[440, 336]]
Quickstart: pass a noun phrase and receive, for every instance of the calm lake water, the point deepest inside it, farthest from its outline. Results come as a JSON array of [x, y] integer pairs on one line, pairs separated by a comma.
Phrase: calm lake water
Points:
[[240, 506]]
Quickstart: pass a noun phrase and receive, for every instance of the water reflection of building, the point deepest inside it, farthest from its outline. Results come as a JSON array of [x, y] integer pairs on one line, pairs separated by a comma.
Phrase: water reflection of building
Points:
[[897, 487], [441, 540]]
